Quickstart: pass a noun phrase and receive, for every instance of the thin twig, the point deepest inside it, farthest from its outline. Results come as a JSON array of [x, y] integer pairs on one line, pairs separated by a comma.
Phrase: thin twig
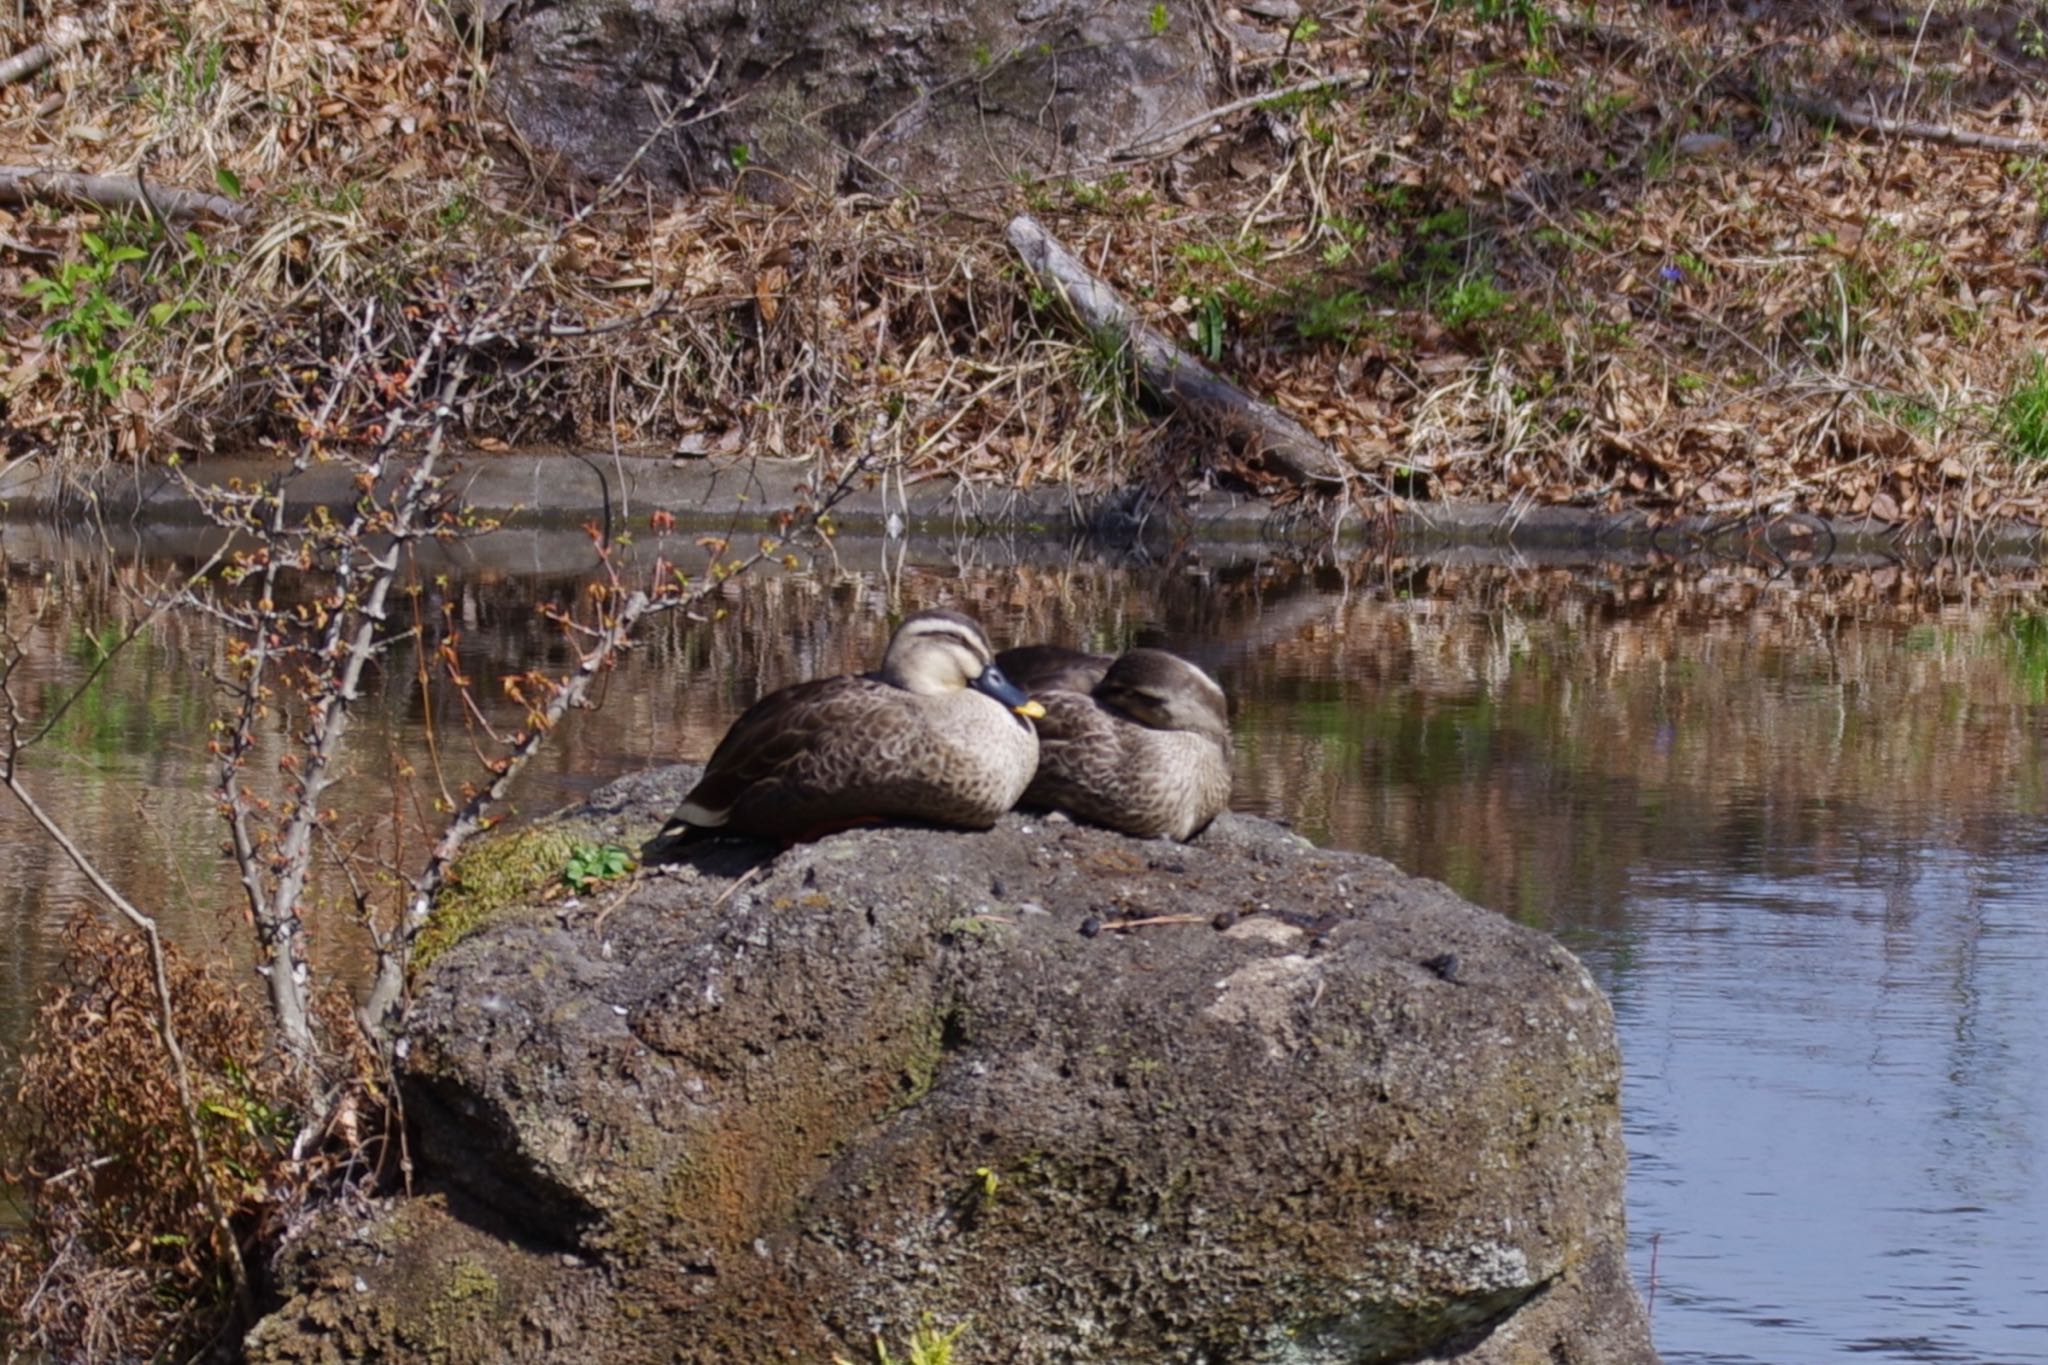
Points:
[[1170, 140], [81, 1168], [1158, 919]]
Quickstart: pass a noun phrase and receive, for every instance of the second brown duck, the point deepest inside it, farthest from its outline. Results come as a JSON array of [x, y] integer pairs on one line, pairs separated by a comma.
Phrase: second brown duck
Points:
[[1139, 742]]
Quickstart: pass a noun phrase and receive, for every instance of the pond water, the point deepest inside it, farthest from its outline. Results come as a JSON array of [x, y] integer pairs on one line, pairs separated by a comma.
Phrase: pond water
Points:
[[1793, 821]]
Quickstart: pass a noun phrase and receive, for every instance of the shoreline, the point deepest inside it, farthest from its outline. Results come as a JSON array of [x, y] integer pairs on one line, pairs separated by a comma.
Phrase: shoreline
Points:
[[561, 492]]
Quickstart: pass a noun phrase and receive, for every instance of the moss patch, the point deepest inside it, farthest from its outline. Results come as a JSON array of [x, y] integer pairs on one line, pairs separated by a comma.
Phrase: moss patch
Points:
[[512, 869]]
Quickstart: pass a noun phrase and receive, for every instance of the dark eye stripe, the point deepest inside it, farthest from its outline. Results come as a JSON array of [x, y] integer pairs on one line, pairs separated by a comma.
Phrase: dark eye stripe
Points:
[[977, 648]]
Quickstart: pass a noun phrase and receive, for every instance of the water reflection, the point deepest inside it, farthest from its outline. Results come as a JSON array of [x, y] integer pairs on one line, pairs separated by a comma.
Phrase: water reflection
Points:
[[1795, 824], [1848, 1055]]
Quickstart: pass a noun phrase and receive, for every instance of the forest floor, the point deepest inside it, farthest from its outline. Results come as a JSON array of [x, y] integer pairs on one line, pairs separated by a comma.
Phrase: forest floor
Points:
[[1697, 260]]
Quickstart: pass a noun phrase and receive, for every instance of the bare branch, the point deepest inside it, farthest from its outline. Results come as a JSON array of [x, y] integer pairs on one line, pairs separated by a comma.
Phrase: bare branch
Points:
[[1170, 140]]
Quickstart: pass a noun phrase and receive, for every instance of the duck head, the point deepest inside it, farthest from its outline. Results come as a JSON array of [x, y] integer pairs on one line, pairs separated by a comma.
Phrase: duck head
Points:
[[939, 651], [1165, 692]]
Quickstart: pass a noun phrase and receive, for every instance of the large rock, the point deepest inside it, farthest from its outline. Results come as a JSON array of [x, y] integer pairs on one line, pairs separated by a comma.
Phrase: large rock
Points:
[[1328, 1113], [923, 94]]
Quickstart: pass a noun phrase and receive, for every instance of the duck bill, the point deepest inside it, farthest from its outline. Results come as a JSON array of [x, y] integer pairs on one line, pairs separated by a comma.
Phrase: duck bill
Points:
[[992, 683]]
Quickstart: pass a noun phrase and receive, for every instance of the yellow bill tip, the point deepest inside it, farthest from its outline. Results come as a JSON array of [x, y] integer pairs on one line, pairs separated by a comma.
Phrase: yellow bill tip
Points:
[[1031, 709]]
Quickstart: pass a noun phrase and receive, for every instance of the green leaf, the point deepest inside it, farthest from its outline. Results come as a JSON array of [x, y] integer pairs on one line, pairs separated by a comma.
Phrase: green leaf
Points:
[[230, 183], [125, 253], [167, 310]]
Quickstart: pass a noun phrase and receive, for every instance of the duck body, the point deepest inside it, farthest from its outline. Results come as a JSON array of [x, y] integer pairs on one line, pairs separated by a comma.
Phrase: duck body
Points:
[[1140, 743], [938, 735]]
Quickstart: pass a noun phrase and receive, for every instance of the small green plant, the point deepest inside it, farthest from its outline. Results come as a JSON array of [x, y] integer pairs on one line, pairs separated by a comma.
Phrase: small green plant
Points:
[[455, 212], [1108, 370], [1348, 237], [1473, 300], [2024, 413], [1909, 413], [1240, 251], [1156, 21], [1603, 111], [2033, 41], [88, 321], [928, 1346], [1833, 323], [1534, 19], [1329, 317], [1209, 328], [193, 76], [590, 864], [1439, 247], [1465, 101], [1087, 195]]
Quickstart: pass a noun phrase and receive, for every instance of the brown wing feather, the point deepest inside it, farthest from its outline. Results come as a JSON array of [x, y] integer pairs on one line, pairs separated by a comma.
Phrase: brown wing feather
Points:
[[782, 728], [1079, 752]]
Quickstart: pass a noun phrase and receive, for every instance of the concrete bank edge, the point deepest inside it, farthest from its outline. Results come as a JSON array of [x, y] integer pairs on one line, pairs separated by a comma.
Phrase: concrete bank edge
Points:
[[565, 491]]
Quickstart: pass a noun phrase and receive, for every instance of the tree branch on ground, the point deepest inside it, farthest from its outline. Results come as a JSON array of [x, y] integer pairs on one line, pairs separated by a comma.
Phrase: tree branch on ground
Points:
[[66, 34], [1256, 435], [1169, 140], [24, 185], [1822, 110]]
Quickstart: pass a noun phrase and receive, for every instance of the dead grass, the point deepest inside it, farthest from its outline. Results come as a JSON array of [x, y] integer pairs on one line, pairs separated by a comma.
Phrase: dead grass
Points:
[[117, 1259], [1541, 255]]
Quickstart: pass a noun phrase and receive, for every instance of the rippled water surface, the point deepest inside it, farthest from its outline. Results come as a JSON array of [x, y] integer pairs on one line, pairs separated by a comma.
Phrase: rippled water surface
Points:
[[1794, 822]]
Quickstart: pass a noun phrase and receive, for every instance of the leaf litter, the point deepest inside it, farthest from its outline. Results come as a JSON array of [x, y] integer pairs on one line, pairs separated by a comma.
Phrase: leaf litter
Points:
[[1606, 256]]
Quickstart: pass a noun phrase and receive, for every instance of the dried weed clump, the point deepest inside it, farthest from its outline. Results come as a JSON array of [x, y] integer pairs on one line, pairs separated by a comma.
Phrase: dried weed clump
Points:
[[368, 171], [117, 1259], [1704, 260]]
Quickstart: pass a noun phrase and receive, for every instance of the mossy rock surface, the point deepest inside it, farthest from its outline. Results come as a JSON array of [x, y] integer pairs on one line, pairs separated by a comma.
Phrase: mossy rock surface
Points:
[[888, 1079], [503, 872]]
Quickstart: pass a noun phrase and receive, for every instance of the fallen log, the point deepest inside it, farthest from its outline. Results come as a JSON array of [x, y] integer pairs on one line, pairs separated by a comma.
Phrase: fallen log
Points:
[[22, 185], [1256, 434]]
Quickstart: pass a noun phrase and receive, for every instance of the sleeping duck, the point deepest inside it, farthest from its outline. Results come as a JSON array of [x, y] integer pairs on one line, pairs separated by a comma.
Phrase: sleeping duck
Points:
[[937, 734], [1140, 742]]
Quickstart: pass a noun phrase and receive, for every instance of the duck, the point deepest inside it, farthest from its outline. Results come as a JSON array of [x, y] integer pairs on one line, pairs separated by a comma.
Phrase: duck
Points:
[[938, 734], [1139, 742]]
